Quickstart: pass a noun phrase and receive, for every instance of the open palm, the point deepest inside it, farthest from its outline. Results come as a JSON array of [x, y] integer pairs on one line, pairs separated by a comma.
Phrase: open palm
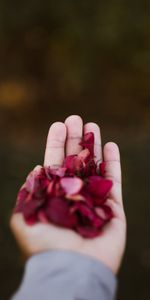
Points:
[[63, 139]]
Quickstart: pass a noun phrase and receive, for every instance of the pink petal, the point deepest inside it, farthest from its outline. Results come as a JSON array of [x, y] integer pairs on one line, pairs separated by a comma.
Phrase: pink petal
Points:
[[84, 155], [71, 186], [32, 179], [104, 212], [59, 172]]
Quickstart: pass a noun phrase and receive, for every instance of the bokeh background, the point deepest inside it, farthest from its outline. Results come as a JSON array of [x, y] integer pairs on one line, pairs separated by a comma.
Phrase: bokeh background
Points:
[[61, 57]]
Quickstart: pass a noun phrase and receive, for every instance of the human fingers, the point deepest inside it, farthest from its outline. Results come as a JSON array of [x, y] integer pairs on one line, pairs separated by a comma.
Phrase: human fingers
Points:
[[55, 148], [113, 170], [74, 125]]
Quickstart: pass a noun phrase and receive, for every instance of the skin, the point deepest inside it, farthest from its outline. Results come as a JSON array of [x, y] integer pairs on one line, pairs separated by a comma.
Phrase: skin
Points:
[[63, 139]]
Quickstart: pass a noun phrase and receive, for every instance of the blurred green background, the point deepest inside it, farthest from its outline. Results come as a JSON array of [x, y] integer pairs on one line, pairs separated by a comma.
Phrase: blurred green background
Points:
[[76, 57]]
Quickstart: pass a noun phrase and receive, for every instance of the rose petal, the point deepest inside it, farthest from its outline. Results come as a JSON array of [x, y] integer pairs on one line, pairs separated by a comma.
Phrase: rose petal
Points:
[[90, 168], [104, 212], [32, 179], [59, 172], [84, 210], [30, 208], [88, 143], [23, 193], [98, 222], [99, 201], [58, 190], [88, 232], [44, 195], [71, 186], [84, 155], [59, 213], [69, 163], [51, 187], [102, 168], [32, 220], [88, 216], [99, 186], [42, 217], [74, 164]]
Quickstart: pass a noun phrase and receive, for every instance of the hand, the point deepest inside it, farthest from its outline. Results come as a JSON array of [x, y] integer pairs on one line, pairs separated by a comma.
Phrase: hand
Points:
[[64, 138]]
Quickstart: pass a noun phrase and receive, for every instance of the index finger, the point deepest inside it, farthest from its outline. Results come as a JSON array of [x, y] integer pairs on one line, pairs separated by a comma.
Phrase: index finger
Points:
[[55, 148]]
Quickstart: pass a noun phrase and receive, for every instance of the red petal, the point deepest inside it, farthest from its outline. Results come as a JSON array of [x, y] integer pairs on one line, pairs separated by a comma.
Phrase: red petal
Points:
[[99, 186], [88, 232], [23, 193], [71, 186], [90, 168], [32, 220], [19, 207], [59, 213], [88, 216], [69, 163], [102, 168], [58, 190], [30, 208], [84, 210], [88, 143], [73, 164], [98, 201], [42, 217], [98, 222]]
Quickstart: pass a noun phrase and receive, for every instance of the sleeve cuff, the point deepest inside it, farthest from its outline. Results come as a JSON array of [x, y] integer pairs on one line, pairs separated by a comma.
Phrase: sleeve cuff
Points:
[[77, 276]]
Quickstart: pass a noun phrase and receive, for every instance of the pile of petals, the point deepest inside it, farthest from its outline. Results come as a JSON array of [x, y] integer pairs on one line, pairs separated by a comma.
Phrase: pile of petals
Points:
[[73, 196]]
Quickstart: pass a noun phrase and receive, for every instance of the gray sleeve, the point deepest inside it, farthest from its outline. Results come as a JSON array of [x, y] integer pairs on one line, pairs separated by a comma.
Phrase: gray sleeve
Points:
[[66, 275]]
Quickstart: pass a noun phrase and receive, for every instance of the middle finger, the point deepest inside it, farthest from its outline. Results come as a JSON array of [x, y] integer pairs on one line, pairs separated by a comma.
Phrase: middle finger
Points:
[[74, 125]]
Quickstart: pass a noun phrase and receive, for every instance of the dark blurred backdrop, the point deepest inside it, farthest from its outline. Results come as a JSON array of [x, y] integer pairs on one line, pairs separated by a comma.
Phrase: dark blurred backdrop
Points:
[[61, 57]]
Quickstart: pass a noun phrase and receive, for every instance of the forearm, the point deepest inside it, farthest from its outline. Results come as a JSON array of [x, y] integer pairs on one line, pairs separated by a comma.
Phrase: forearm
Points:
[[64, 275]]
